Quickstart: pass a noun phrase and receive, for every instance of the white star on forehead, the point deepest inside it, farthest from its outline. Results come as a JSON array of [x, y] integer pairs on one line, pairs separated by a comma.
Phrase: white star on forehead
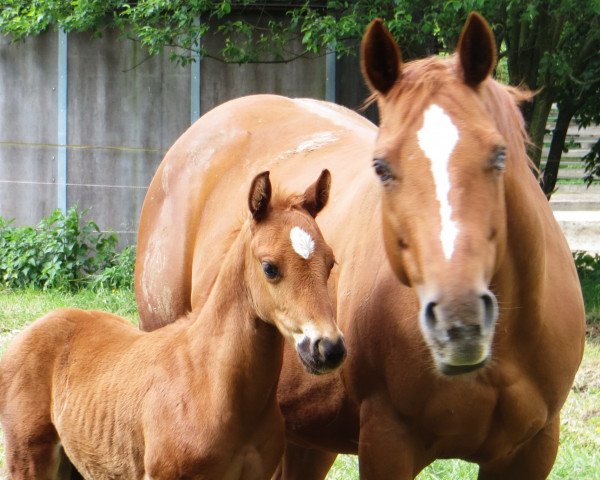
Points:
[[302, 242]]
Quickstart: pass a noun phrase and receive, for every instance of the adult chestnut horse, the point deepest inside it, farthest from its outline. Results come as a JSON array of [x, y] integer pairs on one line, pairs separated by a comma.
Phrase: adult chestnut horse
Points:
[[197, 399], [472, 353]]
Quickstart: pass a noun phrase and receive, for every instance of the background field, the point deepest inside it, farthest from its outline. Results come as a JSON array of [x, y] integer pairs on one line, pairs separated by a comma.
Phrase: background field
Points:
[[579, 454]]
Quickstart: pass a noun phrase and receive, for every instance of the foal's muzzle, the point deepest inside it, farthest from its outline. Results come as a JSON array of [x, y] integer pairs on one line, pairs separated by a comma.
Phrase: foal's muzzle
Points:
[[321, 355]]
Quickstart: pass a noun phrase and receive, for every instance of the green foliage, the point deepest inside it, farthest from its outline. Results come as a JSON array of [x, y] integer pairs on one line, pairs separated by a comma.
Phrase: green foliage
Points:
[[62, 251], [592, 164], [117, 275], [165, 23], [588, 268], [588, 265]]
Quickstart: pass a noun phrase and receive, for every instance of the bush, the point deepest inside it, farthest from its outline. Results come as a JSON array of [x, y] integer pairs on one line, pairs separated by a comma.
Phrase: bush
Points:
[[588, 268], [62, 251], [119, 274]]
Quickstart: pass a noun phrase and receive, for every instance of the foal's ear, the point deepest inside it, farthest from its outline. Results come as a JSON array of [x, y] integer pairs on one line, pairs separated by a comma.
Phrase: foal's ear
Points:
[[380, 58], [476, 50], [315, 197], [260, 196]]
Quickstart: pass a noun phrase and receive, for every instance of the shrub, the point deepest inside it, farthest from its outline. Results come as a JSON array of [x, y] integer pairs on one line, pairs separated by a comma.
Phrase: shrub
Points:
[[62, 251], [588, 268], [119, 274]]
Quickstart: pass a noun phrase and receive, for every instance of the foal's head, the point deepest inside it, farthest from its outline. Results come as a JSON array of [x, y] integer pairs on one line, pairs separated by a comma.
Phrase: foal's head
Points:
[[289, 264], [440, 158]]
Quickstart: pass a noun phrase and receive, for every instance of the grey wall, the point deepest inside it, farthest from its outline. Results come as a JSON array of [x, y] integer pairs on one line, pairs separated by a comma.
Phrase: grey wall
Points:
[[28, 125], [124, 109]]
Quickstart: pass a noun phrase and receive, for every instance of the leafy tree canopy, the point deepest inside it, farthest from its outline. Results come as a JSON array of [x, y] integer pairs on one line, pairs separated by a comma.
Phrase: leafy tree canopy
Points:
[[252, 31]]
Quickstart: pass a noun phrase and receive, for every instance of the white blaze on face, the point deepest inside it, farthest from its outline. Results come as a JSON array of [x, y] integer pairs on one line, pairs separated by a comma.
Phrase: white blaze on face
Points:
[[437, 138], [302, 242]]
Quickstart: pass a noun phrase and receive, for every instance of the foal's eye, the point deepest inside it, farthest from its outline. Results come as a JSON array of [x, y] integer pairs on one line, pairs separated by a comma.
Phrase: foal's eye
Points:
[[383, 170], [270, 270], [499, 158]]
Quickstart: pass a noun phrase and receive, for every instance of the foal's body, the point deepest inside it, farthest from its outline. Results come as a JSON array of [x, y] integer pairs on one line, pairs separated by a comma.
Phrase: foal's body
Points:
[[193, 400], [187, 417]]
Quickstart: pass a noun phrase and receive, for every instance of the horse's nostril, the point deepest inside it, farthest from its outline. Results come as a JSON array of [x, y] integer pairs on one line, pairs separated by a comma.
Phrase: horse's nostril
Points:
[[331, 353], [490, 309], [430, 318]]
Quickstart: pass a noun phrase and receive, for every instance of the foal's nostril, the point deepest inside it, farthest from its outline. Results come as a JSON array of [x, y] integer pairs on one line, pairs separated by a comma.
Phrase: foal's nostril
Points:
[[430, 318], [330, 353]]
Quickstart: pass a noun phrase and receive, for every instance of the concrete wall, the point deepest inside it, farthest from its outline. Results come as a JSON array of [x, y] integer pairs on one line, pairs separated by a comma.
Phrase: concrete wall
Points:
[[123, 110], [28, 125]]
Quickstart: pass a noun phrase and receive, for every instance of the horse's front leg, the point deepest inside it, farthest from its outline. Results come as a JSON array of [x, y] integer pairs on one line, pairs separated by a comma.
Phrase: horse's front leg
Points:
[[299, 463], [533, 460], [384, 450]]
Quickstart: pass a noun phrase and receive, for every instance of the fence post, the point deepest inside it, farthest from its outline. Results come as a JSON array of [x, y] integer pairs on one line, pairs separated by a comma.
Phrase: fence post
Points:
[[61, 176], [195, 81], [330, 59]]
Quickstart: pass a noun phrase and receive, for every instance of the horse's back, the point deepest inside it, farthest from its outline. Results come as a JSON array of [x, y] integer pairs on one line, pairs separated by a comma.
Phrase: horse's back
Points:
[[198, 195]]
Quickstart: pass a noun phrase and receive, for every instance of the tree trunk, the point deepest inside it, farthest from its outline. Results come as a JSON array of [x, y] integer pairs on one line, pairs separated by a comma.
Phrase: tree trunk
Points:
[[536, 119], [559, 134]]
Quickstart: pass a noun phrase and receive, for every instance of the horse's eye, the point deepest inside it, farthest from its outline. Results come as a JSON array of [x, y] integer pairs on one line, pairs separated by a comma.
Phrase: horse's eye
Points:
[[271, 271], [383, 170], [499, 158]]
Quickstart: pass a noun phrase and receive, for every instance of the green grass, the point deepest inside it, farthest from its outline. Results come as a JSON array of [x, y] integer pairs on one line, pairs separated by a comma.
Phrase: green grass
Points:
[[573, 164], [570, 181], [579, 453]]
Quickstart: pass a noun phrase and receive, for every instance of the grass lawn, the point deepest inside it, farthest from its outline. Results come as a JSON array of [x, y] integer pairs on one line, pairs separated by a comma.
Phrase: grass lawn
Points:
[[579, 453]]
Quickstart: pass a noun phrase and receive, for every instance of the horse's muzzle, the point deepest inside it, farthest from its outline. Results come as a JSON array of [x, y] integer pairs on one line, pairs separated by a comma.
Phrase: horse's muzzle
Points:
[[460, 331], [321, 355]]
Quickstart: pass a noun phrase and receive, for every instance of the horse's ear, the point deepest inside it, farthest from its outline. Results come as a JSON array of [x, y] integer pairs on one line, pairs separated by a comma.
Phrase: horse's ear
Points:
[[260, 196], [316, 196], [476, 50], [380, 58]]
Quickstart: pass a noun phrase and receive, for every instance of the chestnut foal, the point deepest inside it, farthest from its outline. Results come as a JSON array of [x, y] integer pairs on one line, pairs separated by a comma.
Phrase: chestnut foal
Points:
[[195, 399]]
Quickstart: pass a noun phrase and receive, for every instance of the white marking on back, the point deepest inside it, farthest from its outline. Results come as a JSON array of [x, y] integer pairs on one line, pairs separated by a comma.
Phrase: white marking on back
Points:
[[316, 141], [302, 242], [437, 138], [336, 114]]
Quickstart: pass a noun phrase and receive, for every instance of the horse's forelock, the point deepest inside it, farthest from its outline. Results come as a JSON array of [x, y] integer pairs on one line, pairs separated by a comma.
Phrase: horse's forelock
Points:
[[422, 79]]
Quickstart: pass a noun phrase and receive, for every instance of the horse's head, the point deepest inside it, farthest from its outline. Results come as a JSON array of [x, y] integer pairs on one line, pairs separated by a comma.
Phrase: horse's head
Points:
[[440, 159], [289, 264]]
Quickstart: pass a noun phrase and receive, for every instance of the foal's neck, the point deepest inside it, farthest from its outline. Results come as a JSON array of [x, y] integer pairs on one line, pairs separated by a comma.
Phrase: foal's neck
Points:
[[228, 326]]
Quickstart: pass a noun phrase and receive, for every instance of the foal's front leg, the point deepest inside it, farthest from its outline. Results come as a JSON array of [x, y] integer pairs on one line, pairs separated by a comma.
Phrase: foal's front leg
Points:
[[36, 455]]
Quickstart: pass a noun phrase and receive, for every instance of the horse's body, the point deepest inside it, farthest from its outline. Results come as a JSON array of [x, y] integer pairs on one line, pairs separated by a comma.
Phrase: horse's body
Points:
[[196, 399], [473, 362]]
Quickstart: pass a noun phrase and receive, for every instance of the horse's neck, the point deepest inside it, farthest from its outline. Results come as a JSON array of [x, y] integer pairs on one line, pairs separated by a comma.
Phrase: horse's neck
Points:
[[246, 352], [521, 289]]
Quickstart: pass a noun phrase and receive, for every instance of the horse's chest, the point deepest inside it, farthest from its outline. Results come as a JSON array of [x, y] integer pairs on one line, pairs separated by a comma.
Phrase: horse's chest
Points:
[[477, 420]]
